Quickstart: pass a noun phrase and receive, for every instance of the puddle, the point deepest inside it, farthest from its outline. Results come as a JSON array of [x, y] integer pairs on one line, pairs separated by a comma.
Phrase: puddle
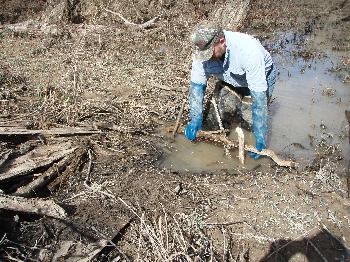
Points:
[[309, 104], [183, 155], [310, 100]]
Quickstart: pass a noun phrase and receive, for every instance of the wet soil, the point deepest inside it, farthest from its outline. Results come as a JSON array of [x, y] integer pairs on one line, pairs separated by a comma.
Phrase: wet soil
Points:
[[100, 72]]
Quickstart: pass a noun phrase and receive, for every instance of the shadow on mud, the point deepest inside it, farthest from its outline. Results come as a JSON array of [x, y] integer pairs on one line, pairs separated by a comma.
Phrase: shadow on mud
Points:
[[319, 247]]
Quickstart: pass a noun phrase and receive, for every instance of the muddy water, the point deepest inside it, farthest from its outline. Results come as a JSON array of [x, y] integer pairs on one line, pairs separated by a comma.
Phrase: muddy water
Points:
[[309, 104]]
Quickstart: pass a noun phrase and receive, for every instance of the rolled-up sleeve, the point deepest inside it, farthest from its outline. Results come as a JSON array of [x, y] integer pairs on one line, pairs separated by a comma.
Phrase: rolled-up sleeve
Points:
[[198, 74]]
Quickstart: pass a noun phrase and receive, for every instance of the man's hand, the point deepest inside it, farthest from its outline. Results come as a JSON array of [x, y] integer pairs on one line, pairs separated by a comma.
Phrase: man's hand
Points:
[[260, 145], [191, 129]]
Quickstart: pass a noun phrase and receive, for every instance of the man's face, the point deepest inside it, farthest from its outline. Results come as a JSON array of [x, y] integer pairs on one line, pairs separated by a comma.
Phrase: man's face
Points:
[[219, 49]]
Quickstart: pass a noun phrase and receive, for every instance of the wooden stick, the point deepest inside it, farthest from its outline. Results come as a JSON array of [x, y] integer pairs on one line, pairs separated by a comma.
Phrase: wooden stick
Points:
[[33, 206], [44, 179], [317, 250], [240, 134], [218, 118], [76, 160], [179, 117], [216, 109], [6, 131], [20, 150], [145, 25], [40, 157], [335, 238]]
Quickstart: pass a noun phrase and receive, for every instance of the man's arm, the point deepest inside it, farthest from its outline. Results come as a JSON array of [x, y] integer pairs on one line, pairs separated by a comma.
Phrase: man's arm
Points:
[[196, 97], [260, 118]]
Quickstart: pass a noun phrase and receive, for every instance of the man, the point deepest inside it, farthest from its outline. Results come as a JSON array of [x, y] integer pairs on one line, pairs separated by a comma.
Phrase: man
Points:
[[239, 61]]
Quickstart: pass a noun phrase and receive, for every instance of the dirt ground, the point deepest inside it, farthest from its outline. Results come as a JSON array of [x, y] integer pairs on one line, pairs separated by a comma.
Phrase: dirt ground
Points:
[[77, 64]]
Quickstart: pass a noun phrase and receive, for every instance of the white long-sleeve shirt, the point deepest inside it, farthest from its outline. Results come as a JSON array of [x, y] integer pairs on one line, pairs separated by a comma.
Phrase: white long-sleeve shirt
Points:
[[245, 64]]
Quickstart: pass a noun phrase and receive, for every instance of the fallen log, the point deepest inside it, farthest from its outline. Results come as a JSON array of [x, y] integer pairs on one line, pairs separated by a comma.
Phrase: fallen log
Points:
[[75, 161], [209, 136], [41, 156], [17, 131], [21, 150], [43, 179], [32, 206]]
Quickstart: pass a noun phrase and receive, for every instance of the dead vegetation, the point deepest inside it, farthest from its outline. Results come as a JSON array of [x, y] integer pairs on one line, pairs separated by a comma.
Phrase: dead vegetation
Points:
[[84, 86]]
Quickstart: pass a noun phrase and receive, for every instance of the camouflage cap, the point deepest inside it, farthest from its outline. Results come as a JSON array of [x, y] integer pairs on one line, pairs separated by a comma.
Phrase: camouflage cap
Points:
[[203, 39]]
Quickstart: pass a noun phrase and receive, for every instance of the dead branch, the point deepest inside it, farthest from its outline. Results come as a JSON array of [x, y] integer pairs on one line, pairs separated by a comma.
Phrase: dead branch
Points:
[[118, 128], [335, 237], [32, 27], [7, 131], [113, 242], [317, 250], [218, 118], [33, 206], [347, 116], [21, 150], [145, 25], [76, 160], [179, 117], [240, 135], [40, 157], [209, 136], [163, 87], [43, 179]]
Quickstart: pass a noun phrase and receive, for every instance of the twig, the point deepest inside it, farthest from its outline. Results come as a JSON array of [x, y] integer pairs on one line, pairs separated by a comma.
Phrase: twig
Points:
[[335, 237], [227, 152], [317, 250], [69, 131], [3, 239], [43, 179], [89, 166], [75, 78], [162, 87], [217, 114], [5, 156], [179, 118], [145, 25], [240, 135], [225, 223]]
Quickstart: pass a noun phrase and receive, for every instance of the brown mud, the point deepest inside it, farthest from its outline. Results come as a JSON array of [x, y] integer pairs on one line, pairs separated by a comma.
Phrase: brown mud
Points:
[[83, 66]]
